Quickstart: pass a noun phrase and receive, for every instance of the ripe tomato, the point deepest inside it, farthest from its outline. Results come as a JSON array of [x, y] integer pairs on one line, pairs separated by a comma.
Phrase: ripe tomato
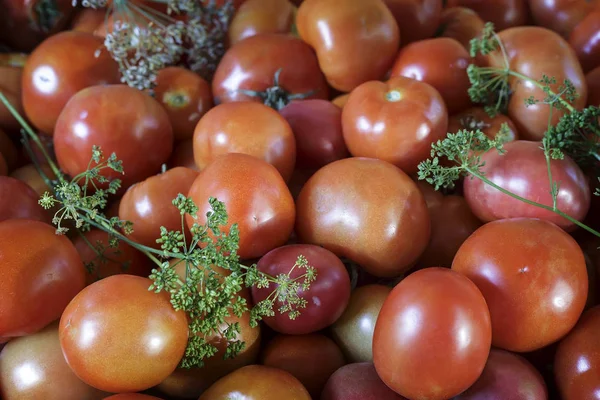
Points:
[[152, 336], [432, 336], [183, 155], [261, 16], [132, 396], [247, 128], [40, 272], [353, 331], [50, 79], [416, 19], [502, 13], [185, 96], [8, 150], [255, 196], [88, 19], [19, 201], [30, 175], [593, 83], [10, 86], [119, 119], [394, 121], [477, 118], [357, 381], [355, 40], [251, 64], [257, 382], [366, 210], [560, 15], [523, 171], [462, 24], [584, 40], [341, 100], [3, 166], [536, 291]]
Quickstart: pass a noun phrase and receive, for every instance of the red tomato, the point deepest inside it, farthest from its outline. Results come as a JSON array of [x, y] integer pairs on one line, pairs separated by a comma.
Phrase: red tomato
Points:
[[461, 24], [593, 83], [251, 64], [183, 155], [585, 40], [261, 16], [432, 336], [536, 290], [88, 19], [394, 121], [152, 336], [561, 15], [50, 79], [523, 171], [30, 175], [132, 396], [417, 19], [19, 201], [255, 196], [366, 210], [3, 166], [341, 100], [119, 119], [355, 40], [40, 272], [247, 128], [10, 86], [357, 381], [477, 118], [502, 13]]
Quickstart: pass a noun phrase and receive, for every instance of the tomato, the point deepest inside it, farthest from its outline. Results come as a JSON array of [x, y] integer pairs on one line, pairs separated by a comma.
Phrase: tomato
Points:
[[353, 331], [10, 87], [432, 336], [507, 376], [417, 19], [355, 40], [261, 16], [185, 96], [248, 128], [585, 41], [366, 210], [8, 150], [3, 166], [251, 64], [341, 100], [38, 155], [310, 358], [317, 127], [357, 381], [561, 15], [152, 336], [132, 396], [461, 24], [33, 367], [50, 80], [523, 171], [593, 83], [257, 382], [183, 155], [119, 119], [502, 13], [88, 19], [477, 118], [40, 272], [30, 175], [394, 121], [536, 291], [577, 360], [298, 180], [255, 196], [19, 201], [149, 205]]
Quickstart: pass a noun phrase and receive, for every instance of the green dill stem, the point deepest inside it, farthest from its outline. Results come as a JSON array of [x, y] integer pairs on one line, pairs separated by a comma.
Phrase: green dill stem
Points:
[[553, 192]]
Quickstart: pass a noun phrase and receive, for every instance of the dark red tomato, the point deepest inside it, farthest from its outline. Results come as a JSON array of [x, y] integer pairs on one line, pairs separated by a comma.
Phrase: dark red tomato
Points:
[[523, 171], [257, 382], [477, 118], [102, 261], [310, 358], [50, 78], [255, 196], [394, 121], [298, 180], [149, 204], [8, 150], [585, 40], [261, 16], [561, 15], [502, 13], [432, 336], [132, 396], [247, 128], [593, 83], [327, 297], [40, 272], [152, 335], [10, 86], [33, 368], [442, 63], [19, 201], [251, 64], [3, 166], [183, 155], [38, 155], [417, 19], [88, 19], [317, 127], [31, 176], [353, 331], [461, 24], [355, 40], [366, 210], [185, 96], [533, 277], [119, 119], [358, 381]]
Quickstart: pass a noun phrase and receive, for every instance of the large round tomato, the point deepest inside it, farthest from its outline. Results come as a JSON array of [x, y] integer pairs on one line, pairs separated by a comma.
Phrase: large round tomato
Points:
[[19, 201], [503, 13], [533, 277], [118, 336], [417, 19], [584, 40], [561, 15], [366, 210], [461, 24], [40, 272], [476, 118], [432, 336], [355, 40], [357, 381], [261, 16]]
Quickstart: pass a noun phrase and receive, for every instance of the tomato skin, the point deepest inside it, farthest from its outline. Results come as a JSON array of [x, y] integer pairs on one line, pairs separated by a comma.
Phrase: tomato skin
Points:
[[30, 175], [119, 119], [131, 396], [40, 272], [416, 19], [122, 303], [261, 16], [536, 291], [523, 171], [421, 362], [593, 83], [10, 86], [19, 201], [251, 64], [88, 19], [355, 40], [3, 166], [502, 13], [462, 24], [561, 15], [477, 118], [255, 196], [394, 121], [50, 80], [358, 381], [358, 208], [183, 155], [584, 40]]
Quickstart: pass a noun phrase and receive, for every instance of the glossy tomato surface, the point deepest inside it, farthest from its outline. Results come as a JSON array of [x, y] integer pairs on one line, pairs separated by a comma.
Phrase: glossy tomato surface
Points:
[[502, 13], [585, 40], [416, 19], [261, 16], [462, 24], [358, 381], [19, 201], [561, 15]]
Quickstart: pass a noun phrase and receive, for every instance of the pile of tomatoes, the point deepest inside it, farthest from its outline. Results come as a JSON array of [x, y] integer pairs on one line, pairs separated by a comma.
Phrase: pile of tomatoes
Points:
[[420, 294]]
